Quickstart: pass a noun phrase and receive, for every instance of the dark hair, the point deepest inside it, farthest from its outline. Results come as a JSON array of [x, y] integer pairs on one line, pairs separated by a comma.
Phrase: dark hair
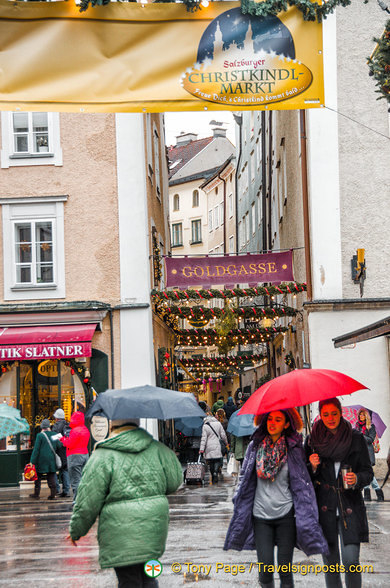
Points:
[[202, 405], [335, 401], [221, 398]]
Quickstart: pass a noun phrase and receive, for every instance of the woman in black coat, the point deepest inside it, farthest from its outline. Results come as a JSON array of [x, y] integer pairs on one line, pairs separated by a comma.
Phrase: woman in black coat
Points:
[[333, 444], [368, 430]]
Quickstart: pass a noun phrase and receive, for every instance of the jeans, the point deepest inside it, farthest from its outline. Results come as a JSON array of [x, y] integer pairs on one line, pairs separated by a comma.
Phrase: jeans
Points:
[[50, 482], [214, 465], [134, 577], [280, 532], [350, 556], [76, 465], [64, 474], [374, 485]]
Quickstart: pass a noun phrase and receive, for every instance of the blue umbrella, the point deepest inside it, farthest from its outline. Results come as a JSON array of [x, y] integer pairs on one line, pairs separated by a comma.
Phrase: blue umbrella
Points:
[[191, 426], [145, 402], [241, 425], [11, 423]]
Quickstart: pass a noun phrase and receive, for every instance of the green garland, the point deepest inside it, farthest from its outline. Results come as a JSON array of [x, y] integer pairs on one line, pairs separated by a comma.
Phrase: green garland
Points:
[[379, 64], [222, 360], [201, 294], [203, 312], [310, 10], [206, 337]]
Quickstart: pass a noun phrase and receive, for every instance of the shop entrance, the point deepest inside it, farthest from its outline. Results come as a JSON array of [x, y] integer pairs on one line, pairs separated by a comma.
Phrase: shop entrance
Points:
[[37, 389]]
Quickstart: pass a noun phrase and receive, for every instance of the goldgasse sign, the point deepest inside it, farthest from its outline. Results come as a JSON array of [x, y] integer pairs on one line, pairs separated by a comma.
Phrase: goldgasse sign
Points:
[[228, 271], [157, 57]]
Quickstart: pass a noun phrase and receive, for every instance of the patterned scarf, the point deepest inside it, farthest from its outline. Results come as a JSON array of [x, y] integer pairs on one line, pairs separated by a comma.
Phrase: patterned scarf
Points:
[[270, 458]]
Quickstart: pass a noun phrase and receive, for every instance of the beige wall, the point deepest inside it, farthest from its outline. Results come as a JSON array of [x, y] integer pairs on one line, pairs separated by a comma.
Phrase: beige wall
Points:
[[88, 178]]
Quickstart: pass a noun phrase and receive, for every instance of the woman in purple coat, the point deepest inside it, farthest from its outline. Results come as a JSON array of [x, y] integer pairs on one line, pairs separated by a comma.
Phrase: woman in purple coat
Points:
[[275, 503]]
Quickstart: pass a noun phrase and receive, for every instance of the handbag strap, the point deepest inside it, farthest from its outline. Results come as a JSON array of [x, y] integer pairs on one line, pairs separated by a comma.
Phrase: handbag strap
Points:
[[214, 432], [49, 442]]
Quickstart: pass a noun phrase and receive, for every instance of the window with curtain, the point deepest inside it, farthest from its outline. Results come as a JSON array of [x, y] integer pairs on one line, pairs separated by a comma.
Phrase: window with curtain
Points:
[[34, 260], [195, 198], [30, 132], [176, 202], [177, 234], [196, 231]]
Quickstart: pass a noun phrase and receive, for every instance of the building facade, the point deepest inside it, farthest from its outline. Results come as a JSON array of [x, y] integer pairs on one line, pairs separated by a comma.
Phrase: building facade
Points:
[[78, 215]]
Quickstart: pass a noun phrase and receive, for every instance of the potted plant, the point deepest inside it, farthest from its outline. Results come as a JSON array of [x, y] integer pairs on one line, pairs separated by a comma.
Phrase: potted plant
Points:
[[42, 144]]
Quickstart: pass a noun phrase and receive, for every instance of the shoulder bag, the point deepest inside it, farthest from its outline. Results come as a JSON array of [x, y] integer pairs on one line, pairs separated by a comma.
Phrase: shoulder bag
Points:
[[221, 441], [57, 457]]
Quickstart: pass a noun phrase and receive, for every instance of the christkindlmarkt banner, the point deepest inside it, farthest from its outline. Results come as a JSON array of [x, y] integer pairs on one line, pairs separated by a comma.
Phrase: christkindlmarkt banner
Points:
[[229, 270], [156, 57]]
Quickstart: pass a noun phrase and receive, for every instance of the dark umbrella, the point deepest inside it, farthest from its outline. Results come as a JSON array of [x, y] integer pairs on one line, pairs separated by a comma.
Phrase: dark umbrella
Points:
[[190, 427], [144, 402], [241, 425]]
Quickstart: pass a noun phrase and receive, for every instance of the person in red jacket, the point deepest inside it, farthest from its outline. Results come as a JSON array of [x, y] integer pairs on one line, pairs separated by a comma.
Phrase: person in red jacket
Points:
[[76, 449]]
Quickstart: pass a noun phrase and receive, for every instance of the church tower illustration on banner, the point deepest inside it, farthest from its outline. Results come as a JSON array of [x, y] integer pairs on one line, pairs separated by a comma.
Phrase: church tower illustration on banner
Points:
[[219, 45]]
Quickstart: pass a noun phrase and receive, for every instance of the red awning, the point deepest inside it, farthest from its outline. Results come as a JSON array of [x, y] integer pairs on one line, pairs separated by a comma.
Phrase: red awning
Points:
[[46, 342]]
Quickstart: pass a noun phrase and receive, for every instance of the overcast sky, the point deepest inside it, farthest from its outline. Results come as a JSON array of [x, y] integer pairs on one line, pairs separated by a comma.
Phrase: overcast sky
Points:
[[196, 122]]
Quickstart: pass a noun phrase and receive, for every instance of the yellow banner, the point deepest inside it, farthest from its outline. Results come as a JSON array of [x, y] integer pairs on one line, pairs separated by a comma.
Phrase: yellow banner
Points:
[[156, 57]]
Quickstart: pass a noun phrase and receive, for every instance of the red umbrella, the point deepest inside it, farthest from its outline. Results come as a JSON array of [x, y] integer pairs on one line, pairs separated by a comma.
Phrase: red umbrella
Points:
[[298, 388]]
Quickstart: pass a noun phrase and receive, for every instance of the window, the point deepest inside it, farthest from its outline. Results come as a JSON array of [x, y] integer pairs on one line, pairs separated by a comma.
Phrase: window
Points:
[[240, 239], [221, 214], [196, 231], [30, 138], [230, 205], [231, 244], [253, 168], [177, 235], [176, 202], [195, 199], [247, 227], [33, 243], [253, 218], [34, 253], [259, 210], [258, 152], [215, 217], [210, 220]]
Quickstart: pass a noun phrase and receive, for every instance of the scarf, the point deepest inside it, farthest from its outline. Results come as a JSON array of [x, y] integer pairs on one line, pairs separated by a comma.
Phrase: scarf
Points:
[[361, 427], [335, 447], [271, 457]]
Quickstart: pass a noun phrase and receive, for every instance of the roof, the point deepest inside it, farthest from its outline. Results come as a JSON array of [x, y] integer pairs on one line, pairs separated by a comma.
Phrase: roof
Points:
[[371, 331], [180, 155]]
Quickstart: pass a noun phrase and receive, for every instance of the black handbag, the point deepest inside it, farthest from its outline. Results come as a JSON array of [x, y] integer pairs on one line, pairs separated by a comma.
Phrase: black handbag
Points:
[[221, 441]]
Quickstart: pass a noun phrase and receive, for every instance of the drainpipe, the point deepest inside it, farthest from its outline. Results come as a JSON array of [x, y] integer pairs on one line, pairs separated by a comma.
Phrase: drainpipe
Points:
[[305, 201], [238, 119], [111, 347], [224, 213], [263, 182], [270, 158]]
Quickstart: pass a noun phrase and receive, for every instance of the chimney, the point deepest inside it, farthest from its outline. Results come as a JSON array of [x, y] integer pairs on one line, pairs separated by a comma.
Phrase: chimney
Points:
[[219, 132], [185, 138]]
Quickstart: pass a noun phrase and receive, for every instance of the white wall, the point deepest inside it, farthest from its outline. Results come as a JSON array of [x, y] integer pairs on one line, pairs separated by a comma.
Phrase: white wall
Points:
[[136, 333], [323, 179], [186, 214], [368, 362]]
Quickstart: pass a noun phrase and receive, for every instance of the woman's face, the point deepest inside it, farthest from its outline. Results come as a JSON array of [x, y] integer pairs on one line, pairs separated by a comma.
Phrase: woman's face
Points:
[[330, 416], [276, 423], [362, 417]]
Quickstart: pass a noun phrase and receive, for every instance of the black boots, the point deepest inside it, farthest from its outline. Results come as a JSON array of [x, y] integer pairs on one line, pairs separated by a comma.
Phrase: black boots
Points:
[[379, 495], [36, 496], [367, 494]]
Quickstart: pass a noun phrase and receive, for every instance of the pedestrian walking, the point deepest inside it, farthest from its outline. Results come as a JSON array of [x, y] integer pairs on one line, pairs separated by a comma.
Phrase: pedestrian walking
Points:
[[62, 429], [340, 468], [218, 404], [43, 457], [125, 483], [367, 428], [76, 449], [238, 446], [210, 444], [229, 407], [220, 415], [275, 504]]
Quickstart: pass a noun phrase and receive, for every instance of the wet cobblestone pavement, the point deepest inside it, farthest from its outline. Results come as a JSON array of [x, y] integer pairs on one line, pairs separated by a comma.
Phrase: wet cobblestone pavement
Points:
[[34, 551]]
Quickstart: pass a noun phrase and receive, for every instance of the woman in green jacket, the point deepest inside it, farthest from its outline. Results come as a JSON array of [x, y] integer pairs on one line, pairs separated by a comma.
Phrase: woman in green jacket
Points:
[[125, 484], [43, 457]]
